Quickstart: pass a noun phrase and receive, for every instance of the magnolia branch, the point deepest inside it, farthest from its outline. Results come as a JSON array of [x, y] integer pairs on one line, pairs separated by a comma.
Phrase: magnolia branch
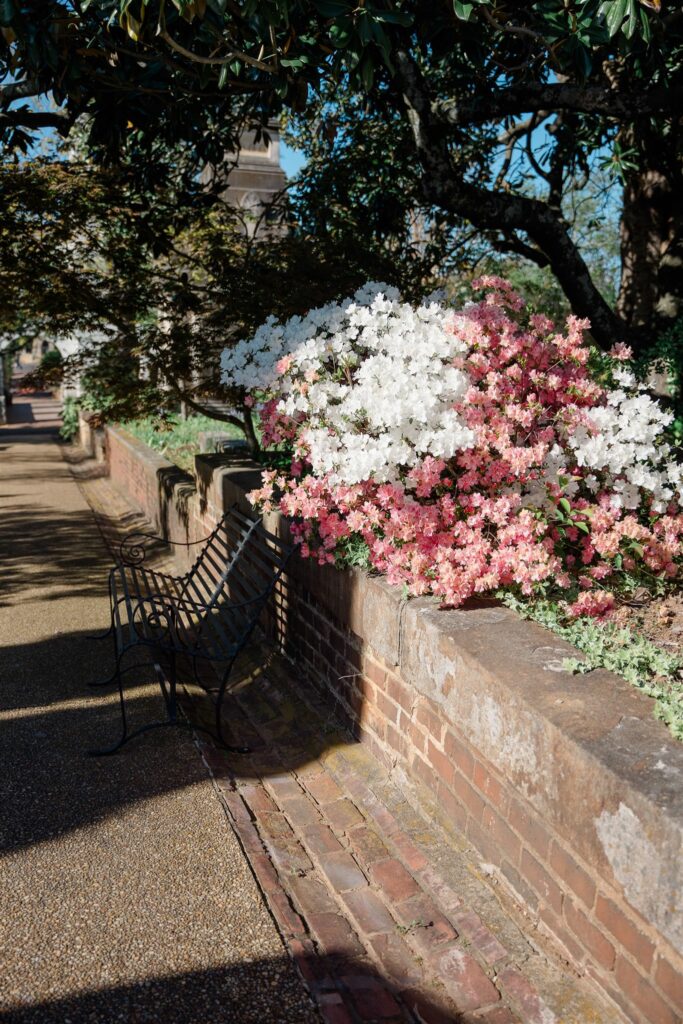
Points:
[[502, 213], [516, 100]]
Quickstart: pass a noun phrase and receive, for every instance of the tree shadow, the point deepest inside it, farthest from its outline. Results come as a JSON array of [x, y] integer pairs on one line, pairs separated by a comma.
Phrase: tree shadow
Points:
[[49, 719], [265, 991], [45, 549]]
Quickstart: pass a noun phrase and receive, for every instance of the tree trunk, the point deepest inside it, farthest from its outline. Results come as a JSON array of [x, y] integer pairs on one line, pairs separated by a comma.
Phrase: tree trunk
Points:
[[651, 287]]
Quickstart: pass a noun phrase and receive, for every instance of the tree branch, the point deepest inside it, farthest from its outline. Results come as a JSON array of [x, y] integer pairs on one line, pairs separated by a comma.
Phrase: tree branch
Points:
[[25, 118], [501, 213], [18, 91], [589, 99]]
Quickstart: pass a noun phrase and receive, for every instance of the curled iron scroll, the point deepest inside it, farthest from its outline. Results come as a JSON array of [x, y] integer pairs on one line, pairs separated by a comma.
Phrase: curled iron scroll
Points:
[[154, 619], [132, 550]]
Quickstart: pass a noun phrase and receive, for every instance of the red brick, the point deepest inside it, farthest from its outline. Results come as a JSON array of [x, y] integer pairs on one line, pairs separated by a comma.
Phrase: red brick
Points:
[[523, 996], [541, 881], [396, 959], [266, 875], [469, 797], [372, 999], [426, 927], [321, 839], [442, 764], [498, 1015], [625, 932], [424, 772], [301, 812], [445, 898], [275, 826], [600, 948], [323, 789], [289, 856], [285, 787], [343, 815], [471, 927], [453, 810], [432, 722], [287, 918], [670, 981], [569, 871], [372, 720], [368, 846], [333, 1009], [458, 753], [342, 871], [522, 889], [257, 800], [529, 828], [376, 810], [369, 911], [487, 784], [400, 693], [423, 1006], [375, 672], [483, 843], [642, 994], [335, 934], [387, 708], [417, 737], [557, 926], [249, 837], [394, 880], [502, 834], [306, 959], [413, 857], [312, 897], [465, 980], [395, 740]]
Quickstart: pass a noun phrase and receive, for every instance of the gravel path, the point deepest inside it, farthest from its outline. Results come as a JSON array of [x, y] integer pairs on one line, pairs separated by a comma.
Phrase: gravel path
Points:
[[124, 894]]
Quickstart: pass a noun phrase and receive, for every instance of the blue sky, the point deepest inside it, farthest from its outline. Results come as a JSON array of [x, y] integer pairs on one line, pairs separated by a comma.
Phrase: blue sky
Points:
[[291, 160]]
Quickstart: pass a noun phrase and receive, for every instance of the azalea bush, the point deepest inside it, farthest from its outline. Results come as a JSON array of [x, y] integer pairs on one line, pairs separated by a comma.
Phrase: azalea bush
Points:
[[464, 451]]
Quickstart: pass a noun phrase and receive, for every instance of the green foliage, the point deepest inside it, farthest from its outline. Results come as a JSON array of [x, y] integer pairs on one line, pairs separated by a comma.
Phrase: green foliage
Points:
[[666, 356], [352, 552], [176, 438], [50, 361], [654, 671], [69, 427], [154, 282]]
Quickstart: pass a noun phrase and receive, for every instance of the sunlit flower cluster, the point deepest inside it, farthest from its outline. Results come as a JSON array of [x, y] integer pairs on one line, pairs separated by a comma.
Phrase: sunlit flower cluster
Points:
[[463, 451]]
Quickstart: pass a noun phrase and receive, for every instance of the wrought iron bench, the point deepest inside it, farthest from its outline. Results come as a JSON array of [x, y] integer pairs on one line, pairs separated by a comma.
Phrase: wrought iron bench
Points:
[[205, 616]]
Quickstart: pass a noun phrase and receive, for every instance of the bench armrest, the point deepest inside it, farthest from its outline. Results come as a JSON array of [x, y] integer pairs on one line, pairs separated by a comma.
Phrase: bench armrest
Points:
[[132, 550]]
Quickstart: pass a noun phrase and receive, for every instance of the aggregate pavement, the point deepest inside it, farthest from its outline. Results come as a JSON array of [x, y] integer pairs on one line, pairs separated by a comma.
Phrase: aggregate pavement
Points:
[[124, 892]]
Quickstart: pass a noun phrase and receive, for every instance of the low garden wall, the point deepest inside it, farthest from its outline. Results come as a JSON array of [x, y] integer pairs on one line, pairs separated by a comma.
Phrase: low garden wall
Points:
[[568, 789]]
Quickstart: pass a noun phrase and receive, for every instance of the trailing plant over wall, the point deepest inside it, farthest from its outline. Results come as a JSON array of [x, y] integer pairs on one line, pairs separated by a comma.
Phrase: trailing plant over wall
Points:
[[466, 450]]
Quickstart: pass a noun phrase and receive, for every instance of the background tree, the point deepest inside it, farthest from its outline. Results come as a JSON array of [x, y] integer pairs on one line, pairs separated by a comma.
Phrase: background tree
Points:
[[476, 85], [155, 287]]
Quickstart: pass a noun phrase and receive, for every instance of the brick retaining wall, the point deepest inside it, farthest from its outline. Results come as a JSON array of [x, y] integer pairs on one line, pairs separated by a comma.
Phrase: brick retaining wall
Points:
[[566, 786]]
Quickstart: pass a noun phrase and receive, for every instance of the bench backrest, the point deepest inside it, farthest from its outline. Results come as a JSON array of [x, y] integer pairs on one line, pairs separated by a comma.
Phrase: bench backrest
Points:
[[240, 564]]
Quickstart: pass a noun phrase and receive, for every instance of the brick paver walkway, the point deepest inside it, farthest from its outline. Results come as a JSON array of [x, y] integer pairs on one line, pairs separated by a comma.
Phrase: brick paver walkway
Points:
[[387, 917]]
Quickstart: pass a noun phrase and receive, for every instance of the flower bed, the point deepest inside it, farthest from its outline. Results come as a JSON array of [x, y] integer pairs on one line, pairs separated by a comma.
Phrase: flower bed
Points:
[[464, 452]]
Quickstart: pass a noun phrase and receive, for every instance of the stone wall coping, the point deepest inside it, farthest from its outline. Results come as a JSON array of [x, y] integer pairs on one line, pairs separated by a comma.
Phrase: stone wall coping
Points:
[[500, 681]]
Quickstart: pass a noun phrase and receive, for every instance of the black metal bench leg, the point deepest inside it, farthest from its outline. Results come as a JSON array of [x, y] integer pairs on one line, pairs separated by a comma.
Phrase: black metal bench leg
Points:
[[124, 736]]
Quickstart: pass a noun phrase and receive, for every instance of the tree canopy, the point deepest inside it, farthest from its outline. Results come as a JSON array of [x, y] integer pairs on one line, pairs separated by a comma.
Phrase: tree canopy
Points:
[[499, 111]]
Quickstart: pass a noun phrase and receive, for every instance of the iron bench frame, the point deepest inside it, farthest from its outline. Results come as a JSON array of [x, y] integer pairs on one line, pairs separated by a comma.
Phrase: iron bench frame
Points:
[[191, 615]]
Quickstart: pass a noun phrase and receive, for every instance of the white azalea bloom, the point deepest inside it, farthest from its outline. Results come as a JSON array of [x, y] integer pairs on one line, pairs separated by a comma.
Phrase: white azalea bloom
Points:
[[380, 385]]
